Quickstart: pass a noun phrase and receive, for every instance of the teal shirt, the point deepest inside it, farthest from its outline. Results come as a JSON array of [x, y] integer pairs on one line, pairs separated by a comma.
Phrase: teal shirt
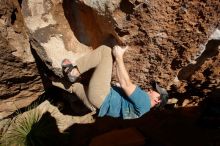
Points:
[[117, 104]]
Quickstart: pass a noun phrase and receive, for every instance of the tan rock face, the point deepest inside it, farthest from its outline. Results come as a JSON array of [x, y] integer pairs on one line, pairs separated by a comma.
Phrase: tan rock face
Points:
[[20, 82], [174, 42], [52, 36]]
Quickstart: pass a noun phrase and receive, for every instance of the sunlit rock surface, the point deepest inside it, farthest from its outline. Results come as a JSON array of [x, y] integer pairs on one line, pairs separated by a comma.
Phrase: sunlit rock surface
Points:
[[20, 82], [174, 42]]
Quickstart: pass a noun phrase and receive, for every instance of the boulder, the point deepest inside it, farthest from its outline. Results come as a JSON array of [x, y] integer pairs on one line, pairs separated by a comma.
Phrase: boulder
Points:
[[20, 81], [169, 40], [174, 42]]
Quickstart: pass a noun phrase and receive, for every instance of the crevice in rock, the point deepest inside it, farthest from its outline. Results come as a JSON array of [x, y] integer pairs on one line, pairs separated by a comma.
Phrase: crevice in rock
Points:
[[211, 50], [121, 32], [20, 2], [201, 15], [127, 7], [42, 70], [17, 80], [13, 16], [89, 27], [200, 27], [180, 49], [176, 64], [8, 95]]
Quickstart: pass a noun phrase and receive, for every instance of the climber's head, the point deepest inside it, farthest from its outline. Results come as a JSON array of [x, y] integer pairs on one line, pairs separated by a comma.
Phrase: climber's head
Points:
[[158, 95]]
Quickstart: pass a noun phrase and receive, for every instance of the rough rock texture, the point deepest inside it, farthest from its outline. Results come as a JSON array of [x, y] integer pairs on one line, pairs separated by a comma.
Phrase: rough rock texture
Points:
[[20, 82], [51, 37], [167, 37], [175, 42], [171, 41], [175, 30]]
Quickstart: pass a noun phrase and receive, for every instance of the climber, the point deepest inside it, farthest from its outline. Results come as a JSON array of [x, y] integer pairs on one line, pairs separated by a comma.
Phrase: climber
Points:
[[128, 101]]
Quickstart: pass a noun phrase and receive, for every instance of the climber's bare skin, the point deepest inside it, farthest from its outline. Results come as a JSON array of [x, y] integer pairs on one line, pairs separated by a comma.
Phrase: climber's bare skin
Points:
[[124, 79]]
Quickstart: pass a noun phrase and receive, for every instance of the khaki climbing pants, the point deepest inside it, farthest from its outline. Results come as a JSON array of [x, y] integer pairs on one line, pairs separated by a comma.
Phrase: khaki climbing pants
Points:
[[99, 84]]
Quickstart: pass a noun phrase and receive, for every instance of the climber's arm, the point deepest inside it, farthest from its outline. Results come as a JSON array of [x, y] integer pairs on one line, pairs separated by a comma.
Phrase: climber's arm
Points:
[[122, 74]]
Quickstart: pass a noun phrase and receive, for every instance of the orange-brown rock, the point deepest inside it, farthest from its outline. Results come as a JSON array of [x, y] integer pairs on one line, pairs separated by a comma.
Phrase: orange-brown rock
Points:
[[174, 42], [20, 81]]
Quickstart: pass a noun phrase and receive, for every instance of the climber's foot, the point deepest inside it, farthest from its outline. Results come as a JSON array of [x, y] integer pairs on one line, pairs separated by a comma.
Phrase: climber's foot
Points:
[[70, 70]]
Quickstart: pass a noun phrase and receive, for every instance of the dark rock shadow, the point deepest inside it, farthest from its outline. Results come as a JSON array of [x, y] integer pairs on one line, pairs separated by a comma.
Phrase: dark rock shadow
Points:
[[198, 88], [160, 128], [193, 89], [67, 103], [82, 134], [211, 50], [45, 133], [71, 11], [210, 111], [182, 126], [89, 27]]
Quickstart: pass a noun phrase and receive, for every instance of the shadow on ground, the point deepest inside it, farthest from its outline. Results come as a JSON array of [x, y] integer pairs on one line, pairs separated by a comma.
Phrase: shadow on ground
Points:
[[192, 126], [167, 128], [189, 126], [45, 132]]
